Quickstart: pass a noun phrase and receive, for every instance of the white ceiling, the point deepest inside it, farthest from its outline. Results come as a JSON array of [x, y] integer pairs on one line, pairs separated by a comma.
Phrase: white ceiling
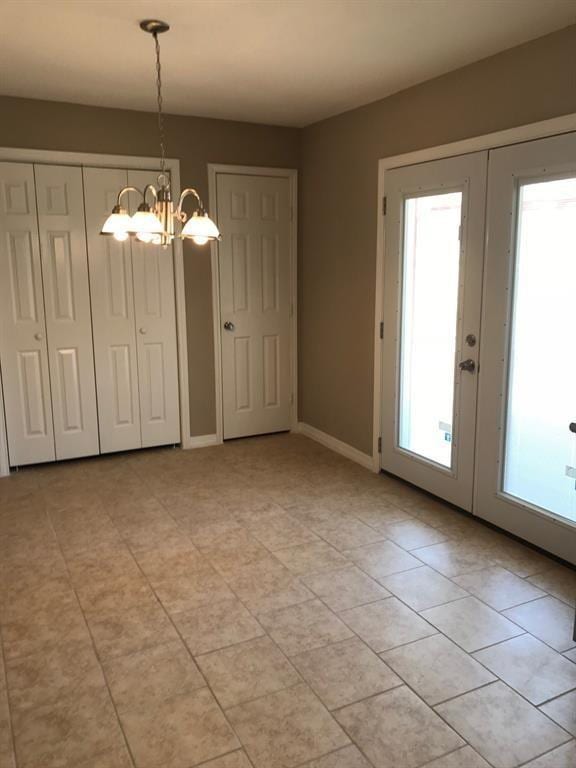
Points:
[[286, 62]]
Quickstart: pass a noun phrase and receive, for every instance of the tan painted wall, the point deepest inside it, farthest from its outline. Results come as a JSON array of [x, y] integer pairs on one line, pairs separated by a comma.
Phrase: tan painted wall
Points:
[[338, 216], [195, 141]]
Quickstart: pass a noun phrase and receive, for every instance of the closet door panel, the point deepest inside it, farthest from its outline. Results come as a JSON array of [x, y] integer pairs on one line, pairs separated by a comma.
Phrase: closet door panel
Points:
[[155, 314], [60, 202], [113, 323], [23, 354]]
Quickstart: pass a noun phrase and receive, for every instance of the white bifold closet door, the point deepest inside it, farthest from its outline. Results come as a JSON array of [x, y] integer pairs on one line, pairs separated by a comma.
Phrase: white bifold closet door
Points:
[[60, 204], [155, 317], [23, 350], [134, 326]]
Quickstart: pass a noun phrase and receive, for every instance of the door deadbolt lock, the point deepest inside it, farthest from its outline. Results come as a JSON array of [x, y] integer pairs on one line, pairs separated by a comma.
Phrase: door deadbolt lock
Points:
[[471, 340], [467, 365], [229, 326]]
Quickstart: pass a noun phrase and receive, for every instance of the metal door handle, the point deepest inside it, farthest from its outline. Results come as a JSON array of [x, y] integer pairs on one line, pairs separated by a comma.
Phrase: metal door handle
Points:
[[229, 326], [572, 426], [38, 336], [467, 365], [142, 331]]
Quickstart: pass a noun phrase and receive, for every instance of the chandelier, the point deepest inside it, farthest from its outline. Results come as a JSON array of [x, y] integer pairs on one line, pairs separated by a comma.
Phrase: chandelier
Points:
[[155, 220]]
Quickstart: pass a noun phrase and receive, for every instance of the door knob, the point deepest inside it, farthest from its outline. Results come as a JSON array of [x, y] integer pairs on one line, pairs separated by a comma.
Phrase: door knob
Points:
[[229, 326], [142, 331], [38, 336], [467, 365], [572, 426]]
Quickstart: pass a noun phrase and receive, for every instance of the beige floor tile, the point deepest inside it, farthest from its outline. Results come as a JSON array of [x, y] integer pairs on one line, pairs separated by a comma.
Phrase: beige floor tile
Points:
[[111, 758], [47, 595], [202, 587], [345, 588], [87, 567], [386, 624], [502, 726], [471, 624], [266, 585], [304, 627], [42, 630], [345, 672], [382, 559], [311, 558], [349, 757], [549, 619], [563, 711], [178, 732], [423, 588], [285, 729], [557, 581], [561, 757], [378, 515], [233, 760], [216, 626], [437, 669], [454, 558], [122, 632], [247, 671], [7, 756], [145, 677], [530, 667], [65, 732], [116, 593], [52, 674], [465, 757], [397, 730], [518, 558], [281, 531], [411, 534], [498, 587], [348, 534], [164, 563]]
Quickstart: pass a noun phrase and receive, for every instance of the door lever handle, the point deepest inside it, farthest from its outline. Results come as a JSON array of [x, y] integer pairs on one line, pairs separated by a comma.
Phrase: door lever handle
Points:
[[467, 365], [229, 326]]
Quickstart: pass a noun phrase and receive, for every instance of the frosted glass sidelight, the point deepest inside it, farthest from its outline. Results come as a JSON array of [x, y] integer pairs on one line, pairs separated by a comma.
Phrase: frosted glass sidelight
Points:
[[540, 450], [430, 280]]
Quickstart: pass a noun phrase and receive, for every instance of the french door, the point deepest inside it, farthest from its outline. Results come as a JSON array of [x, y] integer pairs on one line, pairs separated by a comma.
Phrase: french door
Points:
[[479, 376], [432, 302]]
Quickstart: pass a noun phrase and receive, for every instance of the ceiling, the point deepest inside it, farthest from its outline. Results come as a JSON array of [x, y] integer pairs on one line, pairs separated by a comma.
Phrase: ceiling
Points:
[[284, 62]]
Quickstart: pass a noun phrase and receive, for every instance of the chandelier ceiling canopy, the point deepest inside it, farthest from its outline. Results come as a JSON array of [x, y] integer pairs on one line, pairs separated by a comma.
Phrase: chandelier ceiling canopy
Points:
[[156, 218]]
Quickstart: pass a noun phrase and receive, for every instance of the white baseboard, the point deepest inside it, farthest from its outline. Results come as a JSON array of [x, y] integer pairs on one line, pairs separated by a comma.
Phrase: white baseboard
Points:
[[201, 441], [338, 446]]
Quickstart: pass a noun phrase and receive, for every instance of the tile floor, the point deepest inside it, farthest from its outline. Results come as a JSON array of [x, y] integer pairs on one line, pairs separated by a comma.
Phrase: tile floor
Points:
[[269, 604]]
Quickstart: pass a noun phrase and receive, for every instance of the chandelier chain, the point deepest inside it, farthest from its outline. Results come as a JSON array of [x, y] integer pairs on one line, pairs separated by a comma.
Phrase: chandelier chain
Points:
[[161, 131]]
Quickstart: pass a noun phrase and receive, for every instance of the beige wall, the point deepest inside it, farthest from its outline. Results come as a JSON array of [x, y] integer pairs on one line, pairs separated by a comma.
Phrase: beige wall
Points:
[[338, 217], [196, 142]]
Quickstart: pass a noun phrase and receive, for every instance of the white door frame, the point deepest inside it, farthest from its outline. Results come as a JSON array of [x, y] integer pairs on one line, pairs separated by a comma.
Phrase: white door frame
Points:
[[247, 170], [540, 130], [129, 162]]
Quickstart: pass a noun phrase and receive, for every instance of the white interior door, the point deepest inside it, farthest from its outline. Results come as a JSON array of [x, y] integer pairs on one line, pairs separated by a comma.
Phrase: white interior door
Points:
[[526, 469], [113, 322], [432, 297], [155, 317], [60, 202], [23, 352], [255, 272]]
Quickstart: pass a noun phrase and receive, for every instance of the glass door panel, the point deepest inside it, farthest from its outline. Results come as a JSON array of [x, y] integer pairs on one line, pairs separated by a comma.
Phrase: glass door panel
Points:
[[539, 460], [430, 280]]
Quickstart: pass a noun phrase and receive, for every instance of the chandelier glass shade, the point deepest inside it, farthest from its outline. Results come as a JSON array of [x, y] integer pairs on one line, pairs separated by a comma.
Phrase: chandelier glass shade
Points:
[[160, 222]]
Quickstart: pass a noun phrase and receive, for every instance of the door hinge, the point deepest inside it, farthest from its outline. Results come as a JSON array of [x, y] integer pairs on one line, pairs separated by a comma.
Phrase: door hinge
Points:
[[381, 330], [379, 445], [384, 205]]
